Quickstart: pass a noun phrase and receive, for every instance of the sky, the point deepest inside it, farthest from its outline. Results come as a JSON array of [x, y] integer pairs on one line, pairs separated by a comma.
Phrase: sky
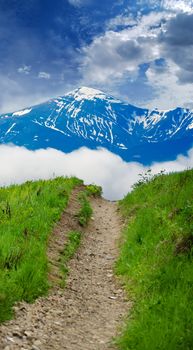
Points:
[[140, 51]]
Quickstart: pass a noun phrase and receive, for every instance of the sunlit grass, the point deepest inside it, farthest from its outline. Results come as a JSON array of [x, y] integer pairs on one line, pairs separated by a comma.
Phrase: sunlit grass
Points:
[[156, 263], [27, 216]]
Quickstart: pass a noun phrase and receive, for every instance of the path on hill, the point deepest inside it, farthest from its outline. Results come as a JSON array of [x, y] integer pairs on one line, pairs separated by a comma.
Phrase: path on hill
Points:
[[88, 313]]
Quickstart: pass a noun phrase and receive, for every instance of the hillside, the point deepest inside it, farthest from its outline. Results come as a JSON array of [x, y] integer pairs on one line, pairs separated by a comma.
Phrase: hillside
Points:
[[81, 303], [156, 263], [59, 256], [28, 214], [89, 118]]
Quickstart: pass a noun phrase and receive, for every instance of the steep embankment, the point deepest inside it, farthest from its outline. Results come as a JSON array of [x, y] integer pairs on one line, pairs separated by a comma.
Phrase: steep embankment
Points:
[[87, 313], [156, 262]]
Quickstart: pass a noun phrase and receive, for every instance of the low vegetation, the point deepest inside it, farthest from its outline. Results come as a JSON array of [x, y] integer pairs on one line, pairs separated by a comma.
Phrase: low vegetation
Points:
[[85, 212], [156, 263], [27, 216], [73, 243], [94, 190]]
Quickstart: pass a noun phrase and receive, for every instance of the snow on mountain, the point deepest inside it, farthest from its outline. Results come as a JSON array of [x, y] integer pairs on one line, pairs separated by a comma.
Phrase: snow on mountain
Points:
[[19, 113], [86, 93], [88, 117]]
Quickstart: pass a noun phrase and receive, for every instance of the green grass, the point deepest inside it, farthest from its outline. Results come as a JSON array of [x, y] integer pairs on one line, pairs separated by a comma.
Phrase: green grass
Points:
[[85, 212], [94, 190], [27, 216], [73, 243], [156, 264]]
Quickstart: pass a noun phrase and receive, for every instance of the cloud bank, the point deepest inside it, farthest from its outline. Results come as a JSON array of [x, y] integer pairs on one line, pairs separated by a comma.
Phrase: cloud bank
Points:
[[93, 166]]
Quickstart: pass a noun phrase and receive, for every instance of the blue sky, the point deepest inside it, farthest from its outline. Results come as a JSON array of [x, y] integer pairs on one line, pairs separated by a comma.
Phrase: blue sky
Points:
[[140, 51]]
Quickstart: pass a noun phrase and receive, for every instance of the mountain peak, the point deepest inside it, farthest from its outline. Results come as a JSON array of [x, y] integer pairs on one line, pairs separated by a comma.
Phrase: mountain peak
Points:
[[88, 117], [86, 93]]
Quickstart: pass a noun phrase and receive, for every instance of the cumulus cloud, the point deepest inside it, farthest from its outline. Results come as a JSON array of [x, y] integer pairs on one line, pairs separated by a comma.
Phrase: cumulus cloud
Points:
[[173, 84], [114, 54], [178, 6], [169, 93], [170, 5], [93, 166], [133, 45], [177, 44]]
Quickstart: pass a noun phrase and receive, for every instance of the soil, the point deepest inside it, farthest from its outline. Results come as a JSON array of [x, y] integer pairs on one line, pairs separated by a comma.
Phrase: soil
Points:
[[89, 312]]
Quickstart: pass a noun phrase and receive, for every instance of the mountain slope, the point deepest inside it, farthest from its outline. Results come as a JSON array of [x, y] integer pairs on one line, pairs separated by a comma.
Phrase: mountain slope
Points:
[[88, 117]]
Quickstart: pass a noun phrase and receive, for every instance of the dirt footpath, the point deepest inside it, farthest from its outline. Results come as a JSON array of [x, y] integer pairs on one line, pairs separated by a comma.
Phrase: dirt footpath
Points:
[[88, 313]]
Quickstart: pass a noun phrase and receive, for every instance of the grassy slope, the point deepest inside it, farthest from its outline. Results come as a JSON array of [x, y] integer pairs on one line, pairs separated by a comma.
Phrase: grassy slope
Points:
[[27, 215], [156, 262]]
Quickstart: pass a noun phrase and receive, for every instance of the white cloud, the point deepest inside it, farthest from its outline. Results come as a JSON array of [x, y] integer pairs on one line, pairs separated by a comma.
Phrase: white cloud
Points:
[[44, 75], [113, 59], [115, 54], [169, 93], [121, 20], [24, 69], [115, 176], [78, 3], [178, 6], [170, 5]]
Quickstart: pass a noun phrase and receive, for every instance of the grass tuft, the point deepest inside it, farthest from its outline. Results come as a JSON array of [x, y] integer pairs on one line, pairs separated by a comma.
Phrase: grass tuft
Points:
[[85, 212], [94, 190]]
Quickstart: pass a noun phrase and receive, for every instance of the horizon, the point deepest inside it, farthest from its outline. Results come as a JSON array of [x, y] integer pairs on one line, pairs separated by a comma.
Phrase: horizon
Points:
[[136, 52]]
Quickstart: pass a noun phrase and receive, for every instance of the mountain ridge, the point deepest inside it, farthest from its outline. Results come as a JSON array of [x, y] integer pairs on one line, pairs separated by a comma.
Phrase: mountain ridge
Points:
[[89, 117]]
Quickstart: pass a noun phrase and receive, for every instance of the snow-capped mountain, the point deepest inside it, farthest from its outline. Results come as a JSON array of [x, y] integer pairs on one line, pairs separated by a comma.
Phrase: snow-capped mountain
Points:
[[88, 117]]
